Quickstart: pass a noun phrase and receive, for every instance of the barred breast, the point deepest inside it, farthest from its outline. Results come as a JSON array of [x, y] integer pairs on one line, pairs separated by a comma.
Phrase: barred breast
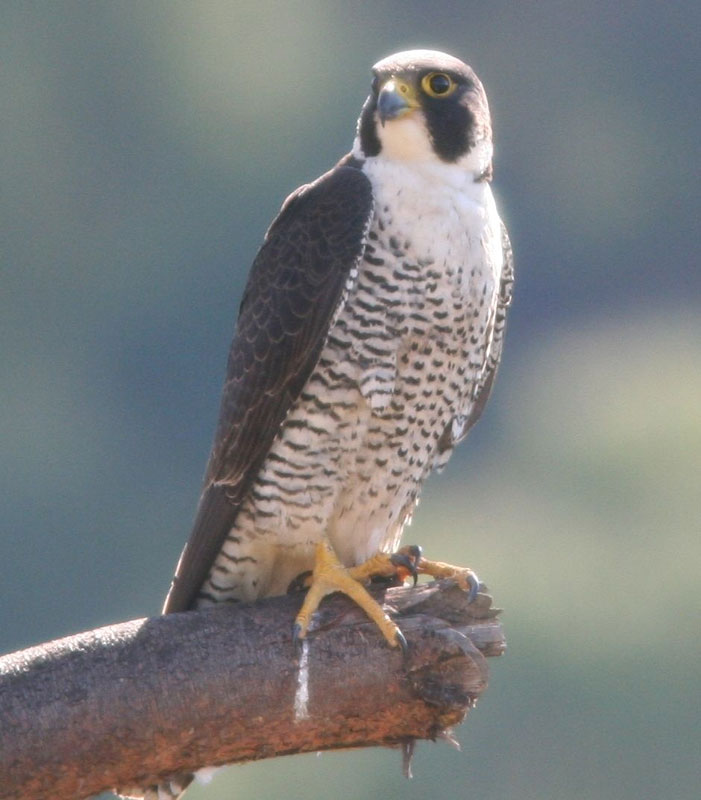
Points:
[[396, 378]]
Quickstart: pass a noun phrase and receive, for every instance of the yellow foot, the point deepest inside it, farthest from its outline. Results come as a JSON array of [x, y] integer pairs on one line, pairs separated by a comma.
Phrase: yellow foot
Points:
[[328, 576], [408, 561], [465, 577]]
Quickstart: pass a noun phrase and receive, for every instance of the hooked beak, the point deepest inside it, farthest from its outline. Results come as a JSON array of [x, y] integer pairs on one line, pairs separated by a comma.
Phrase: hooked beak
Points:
[[395, 100]]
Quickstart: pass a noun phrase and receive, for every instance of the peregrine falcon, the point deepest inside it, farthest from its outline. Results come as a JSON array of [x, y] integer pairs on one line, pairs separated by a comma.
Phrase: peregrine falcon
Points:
[[367, 341]]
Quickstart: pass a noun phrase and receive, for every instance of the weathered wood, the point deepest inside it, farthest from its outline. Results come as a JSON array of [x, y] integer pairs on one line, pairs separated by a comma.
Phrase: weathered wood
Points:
[[124, 704]]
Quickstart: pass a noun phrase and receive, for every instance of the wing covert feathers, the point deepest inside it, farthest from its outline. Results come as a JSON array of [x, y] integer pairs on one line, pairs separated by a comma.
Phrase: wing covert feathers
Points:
[[297, 284]]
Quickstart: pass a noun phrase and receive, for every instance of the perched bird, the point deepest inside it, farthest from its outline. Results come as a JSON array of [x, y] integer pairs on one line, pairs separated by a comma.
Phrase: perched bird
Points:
[[367, 341]]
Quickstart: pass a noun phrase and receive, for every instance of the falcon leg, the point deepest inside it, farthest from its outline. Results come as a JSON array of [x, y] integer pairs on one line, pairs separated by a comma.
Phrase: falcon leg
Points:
[[328, 576]]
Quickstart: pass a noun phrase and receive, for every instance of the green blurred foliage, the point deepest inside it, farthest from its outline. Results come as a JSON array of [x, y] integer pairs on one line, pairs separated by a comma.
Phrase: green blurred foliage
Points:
[[145, 148]]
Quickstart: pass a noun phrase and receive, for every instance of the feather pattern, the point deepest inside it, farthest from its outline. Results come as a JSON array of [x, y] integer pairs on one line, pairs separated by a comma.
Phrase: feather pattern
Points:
[[303, 271]]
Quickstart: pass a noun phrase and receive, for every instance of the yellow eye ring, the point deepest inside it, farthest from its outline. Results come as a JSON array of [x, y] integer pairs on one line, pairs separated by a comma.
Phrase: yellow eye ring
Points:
[[438, 84]]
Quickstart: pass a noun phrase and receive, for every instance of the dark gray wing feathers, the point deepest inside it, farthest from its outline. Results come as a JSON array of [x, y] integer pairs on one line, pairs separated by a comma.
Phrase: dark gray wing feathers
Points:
[[296, 285]]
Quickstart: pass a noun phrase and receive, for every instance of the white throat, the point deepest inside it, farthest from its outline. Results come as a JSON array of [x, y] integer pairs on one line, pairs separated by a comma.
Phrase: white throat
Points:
[[407, 141], [448, 217]]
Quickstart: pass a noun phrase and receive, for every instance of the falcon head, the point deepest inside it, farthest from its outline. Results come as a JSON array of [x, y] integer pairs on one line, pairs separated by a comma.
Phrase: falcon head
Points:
[[425, 105]]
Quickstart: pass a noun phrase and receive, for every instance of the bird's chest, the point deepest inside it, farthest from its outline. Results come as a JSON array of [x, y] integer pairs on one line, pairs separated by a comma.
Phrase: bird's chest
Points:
[[426, 270], [424, 296]]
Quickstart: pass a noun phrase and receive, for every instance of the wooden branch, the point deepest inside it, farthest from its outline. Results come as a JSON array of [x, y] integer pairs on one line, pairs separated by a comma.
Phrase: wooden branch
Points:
[[125, 704]]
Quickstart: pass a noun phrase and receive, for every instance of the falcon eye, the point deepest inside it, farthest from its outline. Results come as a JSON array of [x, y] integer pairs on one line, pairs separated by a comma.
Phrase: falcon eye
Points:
[[438, 84]]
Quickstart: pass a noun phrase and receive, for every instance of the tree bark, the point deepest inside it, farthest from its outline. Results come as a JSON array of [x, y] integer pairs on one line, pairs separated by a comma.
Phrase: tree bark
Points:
[[125, 704]]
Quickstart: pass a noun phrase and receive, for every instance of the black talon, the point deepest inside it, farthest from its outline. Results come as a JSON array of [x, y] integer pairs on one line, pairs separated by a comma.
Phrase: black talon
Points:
[[415, 551], [408, 557], [402, 642], [403, 560], [474, 583]]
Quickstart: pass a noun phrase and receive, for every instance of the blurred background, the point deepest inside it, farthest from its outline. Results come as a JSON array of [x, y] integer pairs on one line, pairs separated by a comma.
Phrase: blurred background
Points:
[[146, 147]]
